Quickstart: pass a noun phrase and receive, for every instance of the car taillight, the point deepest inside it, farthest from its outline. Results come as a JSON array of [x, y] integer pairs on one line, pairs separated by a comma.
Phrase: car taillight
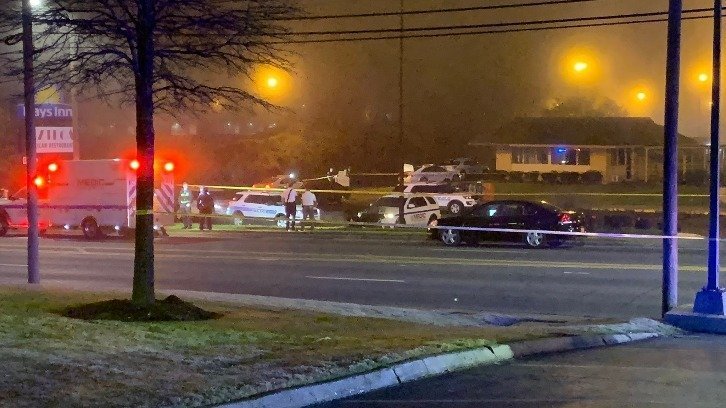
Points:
[[565, 218]]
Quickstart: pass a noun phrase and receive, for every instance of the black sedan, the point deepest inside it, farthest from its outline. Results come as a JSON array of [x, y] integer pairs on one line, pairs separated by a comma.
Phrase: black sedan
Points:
[[512, 215]]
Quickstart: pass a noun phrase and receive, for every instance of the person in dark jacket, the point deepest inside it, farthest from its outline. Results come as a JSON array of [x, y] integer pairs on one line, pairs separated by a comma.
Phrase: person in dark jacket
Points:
[[205, 204]]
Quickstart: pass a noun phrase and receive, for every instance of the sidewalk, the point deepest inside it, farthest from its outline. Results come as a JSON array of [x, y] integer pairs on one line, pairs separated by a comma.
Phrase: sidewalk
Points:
[[685, 371]]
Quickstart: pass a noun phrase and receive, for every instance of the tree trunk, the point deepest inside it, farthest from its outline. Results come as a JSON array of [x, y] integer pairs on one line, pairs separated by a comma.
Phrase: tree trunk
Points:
[[143, 288]]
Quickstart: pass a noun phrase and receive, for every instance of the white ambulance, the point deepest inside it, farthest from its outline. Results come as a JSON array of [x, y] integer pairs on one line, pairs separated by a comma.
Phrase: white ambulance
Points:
[[97, 196]]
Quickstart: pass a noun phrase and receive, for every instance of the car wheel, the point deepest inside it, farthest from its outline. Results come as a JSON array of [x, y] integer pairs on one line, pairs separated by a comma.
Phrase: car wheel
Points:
[[535, 239], [3, 227], [239, 218], [451, 237], [280, 221], [455, 207], [90, 228]]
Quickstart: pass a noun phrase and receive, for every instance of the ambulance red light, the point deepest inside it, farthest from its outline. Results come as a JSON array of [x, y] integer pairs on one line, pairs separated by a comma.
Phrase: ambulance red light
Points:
[[134, 165], [39, 181], [53, 167], [169, 167]]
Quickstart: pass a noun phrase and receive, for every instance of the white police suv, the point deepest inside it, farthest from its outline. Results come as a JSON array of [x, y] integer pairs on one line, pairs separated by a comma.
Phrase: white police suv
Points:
[[444, 194], [261, 205]]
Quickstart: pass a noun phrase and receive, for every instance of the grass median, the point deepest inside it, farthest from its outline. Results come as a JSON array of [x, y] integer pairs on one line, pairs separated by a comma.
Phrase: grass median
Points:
[[50, 360]]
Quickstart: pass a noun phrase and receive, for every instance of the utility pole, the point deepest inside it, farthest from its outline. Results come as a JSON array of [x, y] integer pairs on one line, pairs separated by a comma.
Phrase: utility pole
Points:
[[30, 151], [670, 159], [401, 147], [711, 299]]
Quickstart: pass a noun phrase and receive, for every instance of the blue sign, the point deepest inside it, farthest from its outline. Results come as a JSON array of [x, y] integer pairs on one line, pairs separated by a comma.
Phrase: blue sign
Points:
[[49, 111]]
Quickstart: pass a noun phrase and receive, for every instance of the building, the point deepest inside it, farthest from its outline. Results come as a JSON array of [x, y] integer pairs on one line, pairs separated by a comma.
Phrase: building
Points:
[[620, 148]]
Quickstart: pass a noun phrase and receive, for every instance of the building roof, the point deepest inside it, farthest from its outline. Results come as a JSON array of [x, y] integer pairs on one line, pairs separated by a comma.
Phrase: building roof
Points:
[[580, 131]]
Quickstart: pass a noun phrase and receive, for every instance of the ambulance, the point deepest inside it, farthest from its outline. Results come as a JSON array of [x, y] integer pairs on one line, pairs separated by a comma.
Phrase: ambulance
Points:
[[95, 196]]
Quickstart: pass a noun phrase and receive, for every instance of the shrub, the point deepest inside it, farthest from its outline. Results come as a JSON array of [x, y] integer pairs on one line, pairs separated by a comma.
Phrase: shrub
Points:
[[531, 177], [569, 177], [499, 175], [516, 176], [618, 221], [697, 177], [643, 224], [550, 178], [592, 177]]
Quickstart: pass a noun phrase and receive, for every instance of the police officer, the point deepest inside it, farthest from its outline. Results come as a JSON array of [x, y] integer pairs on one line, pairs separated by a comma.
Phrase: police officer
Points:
[[205, 204], [309, 202], [185, 205], [289, 197]]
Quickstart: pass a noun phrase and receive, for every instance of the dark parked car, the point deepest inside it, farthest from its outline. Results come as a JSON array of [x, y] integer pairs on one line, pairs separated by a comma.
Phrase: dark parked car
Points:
[[512, 214]]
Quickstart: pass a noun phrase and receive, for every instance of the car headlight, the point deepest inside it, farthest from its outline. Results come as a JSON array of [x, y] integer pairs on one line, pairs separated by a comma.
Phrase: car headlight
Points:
[[360, 214], [389, 216]]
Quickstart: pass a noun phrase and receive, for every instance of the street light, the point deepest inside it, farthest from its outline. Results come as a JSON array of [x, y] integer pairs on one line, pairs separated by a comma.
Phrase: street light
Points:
[[703, 77], [641, 96], [580, 66], [272, 82]]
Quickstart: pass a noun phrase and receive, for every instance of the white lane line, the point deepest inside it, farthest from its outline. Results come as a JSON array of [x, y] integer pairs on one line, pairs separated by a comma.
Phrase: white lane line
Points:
[[576, 273], [14, 265], [356, 279]]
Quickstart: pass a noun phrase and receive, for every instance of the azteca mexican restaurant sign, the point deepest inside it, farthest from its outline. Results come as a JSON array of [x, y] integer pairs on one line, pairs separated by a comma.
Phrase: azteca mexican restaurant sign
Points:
[[54, 139], [53, 127]]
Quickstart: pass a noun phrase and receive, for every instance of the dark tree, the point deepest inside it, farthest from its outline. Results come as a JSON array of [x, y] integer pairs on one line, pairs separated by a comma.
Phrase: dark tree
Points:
[[171, 55], [585, 106]]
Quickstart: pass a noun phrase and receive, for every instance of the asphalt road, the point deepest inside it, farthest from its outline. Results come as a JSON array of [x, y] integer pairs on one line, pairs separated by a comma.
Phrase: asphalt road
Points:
[[672, 372], [600, 278]]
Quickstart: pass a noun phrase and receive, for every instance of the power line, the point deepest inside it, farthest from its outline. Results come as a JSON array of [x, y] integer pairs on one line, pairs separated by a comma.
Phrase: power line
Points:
[[490, 25], [433, 11], [503, 31]]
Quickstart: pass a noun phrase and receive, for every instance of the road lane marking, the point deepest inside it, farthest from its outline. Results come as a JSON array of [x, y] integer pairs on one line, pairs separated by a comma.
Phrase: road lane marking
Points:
[[14, 265], [576, 273], [356, 279]]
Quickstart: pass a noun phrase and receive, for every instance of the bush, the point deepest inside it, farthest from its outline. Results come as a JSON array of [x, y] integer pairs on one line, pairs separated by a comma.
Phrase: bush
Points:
[[618, 221], [516, 176], [569, 177], [531, 177], [696, 177], [498, 175], [592, 177], [550, 178], [643, 224]]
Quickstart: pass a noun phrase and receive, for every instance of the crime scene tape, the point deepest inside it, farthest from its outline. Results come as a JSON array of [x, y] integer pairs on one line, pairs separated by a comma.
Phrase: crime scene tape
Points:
[[463, 192], [428, 228]]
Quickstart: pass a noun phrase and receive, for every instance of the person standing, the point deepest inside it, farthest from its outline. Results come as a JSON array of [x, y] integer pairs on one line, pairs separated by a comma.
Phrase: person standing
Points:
[[205, 204], [309, 203], [289, 197], [185, 205]]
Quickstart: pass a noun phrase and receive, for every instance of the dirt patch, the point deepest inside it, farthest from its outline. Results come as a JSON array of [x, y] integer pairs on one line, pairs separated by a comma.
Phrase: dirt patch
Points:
[[170, 309]]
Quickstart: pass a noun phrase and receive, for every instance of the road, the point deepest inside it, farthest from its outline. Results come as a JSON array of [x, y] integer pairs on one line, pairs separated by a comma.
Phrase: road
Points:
[[671, 372], [600, 279]]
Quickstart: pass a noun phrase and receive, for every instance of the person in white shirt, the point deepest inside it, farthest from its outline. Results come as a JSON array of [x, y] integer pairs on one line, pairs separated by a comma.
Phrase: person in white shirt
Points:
[[289, 197], [309, 202]]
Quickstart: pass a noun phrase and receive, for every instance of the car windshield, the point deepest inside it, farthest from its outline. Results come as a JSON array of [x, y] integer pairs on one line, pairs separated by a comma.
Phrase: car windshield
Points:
[[548, 206], [389, 202], [453, 161], [434, 169]]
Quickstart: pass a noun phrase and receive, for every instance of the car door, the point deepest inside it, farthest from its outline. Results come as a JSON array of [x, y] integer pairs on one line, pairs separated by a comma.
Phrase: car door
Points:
[[511, 216], [415, 211], [482, 217]]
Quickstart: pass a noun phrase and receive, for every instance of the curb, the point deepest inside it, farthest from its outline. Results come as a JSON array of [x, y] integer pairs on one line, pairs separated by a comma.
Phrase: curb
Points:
[[418, 369]]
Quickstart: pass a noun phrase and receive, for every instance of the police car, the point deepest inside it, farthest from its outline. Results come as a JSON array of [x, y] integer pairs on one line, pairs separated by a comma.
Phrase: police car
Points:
[[417, 210], [261, 205], [444, 194]]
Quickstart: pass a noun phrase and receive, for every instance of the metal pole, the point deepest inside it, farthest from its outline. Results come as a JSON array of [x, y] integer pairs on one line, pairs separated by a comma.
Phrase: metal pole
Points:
[[670, 159], [714, 207], [401, 148], [32, 161], [711, 298]]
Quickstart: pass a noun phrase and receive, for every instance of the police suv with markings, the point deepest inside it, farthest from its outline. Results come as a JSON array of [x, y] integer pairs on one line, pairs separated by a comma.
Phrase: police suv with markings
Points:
[[417, 210], [261, 205], [444, 194]]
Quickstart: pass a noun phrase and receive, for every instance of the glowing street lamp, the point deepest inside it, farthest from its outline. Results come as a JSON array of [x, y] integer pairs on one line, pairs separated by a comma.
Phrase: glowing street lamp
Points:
[[703, 77], [272, 82], [641, 96], [580, 66]]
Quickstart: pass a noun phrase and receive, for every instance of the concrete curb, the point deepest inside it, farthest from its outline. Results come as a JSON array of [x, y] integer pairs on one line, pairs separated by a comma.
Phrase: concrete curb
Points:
[[428, 367]]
